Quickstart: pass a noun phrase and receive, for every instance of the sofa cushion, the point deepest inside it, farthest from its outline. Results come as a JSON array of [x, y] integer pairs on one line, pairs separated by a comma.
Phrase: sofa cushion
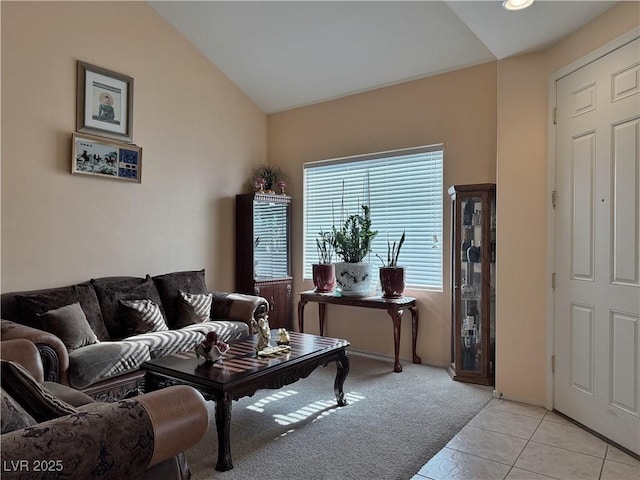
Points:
[[12, 415], [227, 330], [111, 290], [142, 316], [70, 325], [94, 363], [192, 308], [41, 404], [161, 344], [170, 284], [33, 303]]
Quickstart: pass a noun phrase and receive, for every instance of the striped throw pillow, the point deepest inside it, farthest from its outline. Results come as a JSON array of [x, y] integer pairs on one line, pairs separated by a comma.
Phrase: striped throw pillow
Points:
[[143, 316], [193, 308]]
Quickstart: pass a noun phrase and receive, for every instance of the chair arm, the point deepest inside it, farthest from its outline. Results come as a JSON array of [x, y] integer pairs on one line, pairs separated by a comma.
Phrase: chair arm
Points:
[[239, 307], [55, 359], [24, 352], [108, 440]]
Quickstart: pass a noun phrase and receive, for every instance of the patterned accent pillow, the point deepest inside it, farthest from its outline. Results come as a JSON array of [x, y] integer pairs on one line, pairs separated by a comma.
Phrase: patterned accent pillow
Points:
[[41, 404], [70, 325], [13, 416], [143, 316], [170, 284], [193, 308]]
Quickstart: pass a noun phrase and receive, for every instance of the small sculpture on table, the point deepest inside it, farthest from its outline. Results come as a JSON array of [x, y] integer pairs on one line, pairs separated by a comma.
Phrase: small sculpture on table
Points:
[[283, 337], [211, 348], [261, 327]]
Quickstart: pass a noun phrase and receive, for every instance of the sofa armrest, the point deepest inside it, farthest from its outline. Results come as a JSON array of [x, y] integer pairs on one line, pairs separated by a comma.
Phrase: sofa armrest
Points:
[[24, 352], [54, 355], [108, 440], [239, 307]]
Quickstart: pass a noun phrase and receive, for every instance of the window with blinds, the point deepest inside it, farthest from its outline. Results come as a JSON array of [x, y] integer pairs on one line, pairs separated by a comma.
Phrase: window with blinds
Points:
[[404, 189]]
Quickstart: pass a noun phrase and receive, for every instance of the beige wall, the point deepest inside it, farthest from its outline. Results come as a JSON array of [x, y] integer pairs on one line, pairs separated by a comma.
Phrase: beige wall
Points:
[[522, 355], [201, 139], [457, 109]]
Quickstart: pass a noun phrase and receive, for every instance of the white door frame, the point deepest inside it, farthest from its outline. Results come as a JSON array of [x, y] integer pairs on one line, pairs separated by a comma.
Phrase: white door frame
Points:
[[551, 165]]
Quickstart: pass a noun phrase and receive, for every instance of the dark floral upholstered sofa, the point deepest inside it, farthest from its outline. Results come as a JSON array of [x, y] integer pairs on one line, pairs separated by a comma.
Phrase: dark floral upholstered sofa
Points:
[[94, 336], [52, 431]]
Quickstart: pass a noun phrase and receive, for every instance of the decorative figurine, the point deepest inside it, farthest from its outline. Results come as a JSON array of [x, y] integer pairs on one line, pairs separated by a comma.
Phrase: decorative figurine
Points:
[[283, 337], [282, 184], [211, 348], [261, 327], [259, 184]]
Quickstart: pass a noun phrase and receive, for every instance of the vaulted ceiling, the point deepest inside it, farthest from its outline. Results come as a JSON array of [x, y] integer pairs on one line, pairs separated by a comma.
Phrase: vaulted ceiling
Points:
[[294, 53]]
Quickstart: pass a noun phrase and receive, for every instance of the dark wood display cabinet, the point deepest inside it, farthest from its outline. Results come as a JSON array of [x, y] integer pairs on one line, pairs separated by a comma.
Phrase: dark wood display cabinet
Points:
[[473, 249], [263, 252]]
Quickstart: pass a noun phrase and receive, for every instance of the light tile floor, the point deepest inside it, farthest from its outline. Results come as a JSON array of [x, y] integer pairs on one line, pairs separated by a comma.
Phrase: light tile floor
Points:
[[515, 441]]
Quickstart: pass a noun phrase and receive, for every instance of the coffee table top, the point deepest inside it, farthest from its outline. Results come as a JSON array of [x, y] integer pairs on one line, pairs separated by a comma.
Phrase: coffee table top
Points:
[[241, 362]]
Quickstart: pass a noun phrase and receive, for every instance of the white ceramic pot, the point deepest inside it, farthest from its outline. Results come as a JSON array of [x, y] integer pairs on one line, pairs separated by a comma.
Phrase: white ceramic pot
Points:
[[354, 279]]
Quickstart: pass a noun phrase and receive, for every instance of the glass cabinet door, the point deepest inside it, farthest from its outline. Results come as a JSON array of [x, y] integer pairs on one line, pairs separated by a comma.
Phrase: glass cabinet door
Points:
[[471, 283], [270, 230]]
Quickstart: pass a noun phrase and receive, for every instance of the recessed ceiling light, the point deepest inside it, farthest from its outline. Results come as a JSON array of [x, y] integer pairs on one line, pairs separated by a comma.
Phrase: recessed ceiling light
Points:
[[516, 4]]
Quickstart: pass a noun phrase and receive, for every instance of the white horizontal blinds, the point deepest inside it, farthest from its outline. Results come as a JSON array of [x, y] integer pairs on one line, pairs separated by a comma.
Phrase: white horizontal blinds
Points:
[[270, 240], [405, 193]]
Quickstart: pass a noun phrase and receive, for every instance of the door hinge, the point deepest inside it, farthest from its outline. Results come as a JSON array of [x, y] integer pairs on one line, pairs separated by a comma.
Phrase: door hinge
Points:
[[555, 115], [553, 281], [553, 363], [554, 198]]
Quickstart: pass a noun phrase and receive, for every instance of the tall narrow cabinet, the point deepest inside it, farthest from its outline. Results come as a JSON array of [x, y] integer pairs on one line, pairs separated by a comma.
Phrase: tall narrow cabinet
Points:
[[473, 254], [263, 252]]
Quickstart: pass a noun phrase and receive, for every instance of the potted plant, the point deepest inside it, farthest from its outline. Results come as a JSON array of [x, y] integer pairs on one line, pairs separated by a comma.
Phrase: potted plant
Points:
[[265, 179], [391, 275], [324, 272], [352, 243]]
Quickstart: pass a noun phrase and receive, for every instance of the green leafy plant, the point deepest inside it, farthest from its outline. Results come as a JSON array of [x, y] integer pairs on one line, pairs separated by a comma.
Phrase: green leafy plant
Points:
[[324, 245], [392, 252], [352, 241]]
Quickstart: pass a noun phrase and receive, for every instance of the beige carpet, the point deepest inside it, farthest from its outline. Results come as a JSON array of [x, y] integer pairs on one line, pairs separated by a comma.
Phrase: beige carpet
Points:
[[393, 424]]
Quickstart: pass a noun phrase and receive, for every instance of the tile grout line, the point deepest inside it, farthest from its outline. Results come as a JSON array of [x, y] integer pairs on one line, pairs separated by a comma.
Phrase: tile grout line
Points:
[[606, 450]]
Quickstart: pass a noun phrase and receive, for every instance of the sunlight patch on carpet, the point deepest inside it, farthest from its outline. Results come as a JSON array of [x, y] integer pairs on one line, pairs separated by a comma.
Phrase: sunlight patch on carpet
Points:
[[259, 405], [320, 408]]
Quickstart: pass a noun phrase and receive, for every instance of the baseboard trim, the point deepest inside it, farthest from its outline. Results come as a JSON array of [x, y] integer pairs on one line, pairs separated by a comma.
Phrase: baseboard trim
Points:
[[389, 358]]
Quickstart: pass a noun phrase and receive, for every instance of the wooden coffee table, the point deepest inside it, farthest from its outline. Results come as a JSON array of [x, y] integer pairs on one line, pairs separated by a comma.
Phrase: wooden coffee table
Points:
[[241, 373]]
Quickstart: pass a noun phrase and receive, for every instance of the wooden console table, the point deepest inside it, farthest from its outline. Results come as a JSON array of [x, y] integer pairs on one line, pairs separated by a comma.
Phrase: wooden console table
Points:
[[393, 306]]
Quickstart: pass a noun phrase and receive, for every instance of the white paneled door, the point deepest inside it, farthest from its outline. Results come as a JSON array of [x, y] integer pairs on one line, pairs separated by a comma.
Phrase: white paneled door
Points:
[[597, 251]]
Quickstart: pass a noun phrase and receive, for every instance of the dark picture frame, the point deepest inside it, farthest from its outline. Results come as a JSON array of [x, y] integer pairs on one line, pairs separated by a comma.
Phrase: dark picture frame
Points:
[[101, 157], [104, 102]]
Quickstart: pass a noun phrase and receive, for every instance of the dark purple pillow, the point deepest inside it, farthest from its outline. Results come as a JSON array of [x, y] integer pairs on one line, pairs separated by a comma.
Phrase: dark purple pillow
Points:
[[111, 290], [169, 286], [32, 305]]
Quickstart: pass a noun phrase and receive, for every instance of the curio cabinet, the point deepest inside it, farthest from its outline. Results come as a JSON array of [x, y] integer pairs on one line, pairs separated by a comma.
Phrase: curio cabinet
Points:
[[473, 252], [263, 256]]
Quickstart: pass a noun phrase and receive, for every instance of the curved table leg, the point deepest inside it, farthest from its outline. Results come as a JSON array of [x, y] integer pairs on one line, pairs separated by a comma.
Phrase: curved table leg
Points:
[[414, 333], [342, 365], [223, 425], [301, 305], [396, 316], [321, 311]]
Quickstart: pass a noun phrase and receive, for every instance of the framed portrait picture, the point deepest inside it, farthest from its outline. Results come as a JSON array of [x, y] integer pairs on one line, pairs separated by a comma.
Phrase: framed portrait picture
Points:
[[104, 103], [102, 157]]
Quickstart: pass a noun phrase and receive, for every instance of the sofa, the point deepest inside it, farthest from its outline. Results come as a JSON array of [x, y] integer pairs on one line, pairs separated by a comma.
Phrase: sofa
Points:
[[94, 336], [52, 431]]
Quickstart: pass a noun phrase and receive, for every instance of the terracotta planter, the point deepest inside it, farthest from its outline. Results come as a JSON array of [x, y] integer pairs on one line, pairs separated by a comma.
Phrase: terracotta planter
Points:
[[324, 277], [392, 282]]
